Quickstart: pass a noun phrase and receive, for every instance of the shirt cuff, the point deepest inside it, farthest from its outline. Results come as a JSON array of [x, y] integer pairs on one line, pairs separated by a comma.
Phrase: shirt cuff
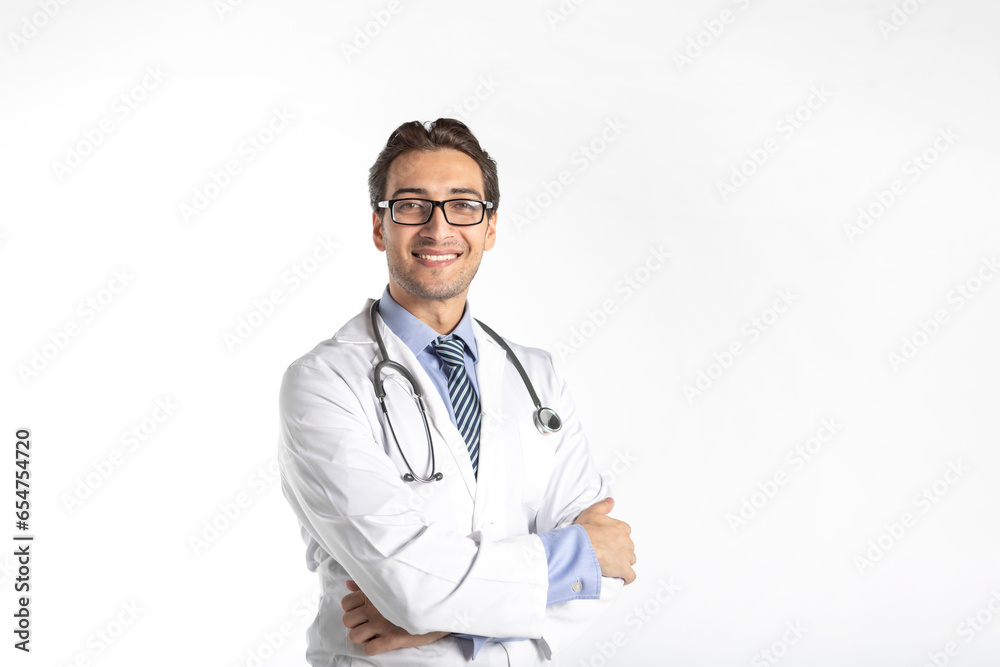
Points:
[[478, 641], [574, 573]]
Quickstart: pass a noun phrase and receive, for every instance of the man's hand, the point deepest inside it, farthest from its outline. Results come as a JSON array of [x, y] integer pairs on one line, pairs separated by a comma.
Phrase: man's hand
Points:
[[610, 539], [370, 628]]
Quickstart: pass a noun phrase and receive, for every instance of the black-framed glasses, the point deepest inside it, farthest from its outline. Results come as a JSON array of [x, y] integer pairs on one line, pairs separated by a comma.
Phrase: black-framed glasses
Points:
[[459, 212]]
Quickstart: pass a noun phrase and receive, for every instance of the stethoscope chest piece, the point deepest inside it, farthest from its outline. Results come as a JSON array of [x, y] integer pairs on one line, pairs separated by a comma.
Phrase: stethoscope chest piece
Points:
[[547, 421]]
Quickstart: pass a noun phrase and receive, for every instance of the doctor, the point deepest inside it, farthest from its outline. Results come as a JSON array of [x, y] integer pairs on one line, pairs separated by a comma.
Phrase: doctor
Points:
[[506, 553]]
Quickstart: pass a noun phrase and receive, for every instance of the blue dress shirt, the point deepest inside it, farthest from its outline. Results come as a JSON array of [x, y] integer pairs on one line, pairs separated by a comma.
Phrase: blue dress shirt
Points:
[[568, 551]]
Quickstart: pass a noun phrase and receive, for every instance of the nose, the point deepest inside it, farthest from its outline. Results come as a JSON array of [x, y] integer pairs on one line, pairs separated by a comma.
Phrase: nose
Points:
[[437, 227]]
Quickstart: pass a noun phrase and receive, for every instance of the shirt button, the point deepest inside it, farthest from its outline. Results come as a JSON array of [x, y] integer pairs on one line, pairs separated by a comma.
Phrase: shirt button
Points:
[[577, 587]]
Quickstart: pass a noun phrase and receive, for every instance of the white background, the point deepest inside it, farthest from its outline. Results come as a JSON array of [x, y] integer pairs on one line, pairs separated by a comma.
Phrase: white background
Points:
[[695, 94]]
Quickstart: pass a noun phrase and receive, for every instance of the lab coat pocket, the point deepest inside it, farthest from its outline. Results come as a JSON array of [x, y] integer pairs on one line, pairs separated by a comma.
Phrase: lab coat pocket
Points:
[[538, 456]]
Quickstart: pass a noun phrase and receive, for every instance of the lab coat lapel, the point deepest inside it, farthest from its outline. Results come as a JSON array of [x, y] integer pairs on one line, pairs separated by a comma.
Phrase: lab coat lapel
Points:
[[492, 452], [442, 430]]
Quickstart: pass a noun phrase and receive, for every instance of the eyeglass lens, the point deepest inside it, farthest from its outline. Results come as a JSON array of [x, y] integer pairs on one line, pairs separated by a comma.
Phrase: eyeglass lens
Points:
[[456, 211]]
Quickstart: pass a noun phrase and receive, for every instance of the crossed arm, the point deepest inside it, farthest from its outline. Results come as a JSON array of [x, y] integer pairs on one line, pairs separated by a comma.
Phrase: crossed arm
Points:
[[609, 537], [388, 546]]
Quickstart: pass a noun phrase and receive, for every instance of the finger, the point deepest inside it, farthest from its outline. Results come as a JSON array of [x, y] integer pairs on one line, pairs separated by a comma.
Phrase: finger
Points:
[[353, 619], [362, 634], [629, 576], [601, 506], [352, 601], [373, 647], [352, 586], [380, 644]]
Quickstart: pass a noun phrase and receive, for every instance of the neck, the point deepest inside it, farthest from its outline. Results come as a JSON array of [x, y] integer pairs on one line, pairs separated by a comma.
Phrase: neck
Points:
[[441, 315]]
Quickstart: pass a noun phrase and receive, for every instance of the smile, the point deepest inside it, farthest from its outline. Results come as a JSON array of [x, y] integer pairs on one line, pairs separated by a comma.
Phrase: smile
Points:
[[436, 258]]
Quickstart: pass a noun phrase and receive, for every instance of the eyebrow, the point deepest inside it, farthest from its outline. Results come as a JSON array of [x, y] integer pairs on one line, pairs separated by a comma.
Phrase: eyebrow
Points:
[[423, 191]]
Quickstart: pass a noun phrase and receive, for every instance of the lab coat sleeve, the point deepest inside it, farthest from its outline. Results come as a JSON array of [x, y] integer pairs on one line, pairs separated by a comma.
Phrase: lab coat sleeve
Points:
[[574, 486], [349, 496]]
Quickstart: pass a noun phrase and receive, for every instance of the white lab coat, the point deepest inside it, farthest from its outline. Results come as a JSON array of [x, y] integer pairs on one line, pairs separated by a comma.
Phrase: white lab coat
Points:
[[457, 555]]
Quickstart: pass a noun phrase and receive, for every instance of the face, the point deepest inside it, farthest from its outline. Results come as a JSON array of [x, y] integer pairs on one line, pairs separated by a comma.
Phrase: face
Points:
[[434, 261]]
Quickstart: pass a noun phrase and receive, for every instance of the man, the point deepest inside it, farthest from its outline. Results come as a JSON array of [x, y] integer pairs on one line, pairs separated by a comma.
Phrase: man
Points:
[[477, 534]]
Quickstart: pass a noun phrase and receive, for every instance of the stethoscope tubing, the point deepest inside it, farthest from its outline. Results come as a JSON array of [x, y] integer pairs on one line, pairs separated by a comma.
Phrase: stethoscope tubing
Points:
[[546, 419]]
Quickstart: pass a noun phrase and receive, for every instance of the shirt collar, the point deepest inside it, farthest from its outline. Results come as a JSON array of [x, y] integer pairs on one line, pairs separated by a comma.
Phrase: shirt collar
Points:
[[416, 334]]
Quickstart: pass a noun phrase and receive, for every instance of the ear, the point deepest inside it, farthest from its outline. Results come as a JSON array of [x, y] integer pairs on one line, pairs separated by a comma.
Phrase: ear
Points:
[[491, 232], [377, 236]]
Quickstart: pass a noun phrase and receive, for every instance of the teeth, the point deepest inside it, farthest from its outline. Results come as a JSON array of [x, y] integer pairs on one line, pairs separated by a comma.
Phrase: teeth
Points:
[[437, 258]]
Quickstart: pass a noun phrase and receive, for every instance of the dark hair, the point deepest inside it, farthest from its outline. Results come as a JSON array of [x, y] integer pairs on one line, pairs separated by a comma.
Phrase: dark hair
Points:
[[441, 133]]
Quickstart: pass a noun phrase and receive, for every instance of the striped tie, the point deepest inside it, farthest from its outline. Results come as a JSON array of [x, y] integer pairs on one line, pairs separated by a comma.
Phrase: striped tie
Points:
[[463, 396]]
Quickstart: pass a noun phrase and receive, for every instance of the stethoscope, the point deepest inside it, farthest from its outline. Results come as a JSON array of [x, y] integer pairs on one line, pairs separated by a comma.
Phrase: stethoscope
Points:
[[546, 419]]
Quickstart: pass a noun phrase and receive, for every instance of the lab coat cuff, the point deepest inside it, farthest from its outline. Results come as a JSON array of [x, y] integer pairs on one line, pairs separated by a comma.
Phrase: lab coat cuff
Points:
[[565, 623], [574, 572]]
